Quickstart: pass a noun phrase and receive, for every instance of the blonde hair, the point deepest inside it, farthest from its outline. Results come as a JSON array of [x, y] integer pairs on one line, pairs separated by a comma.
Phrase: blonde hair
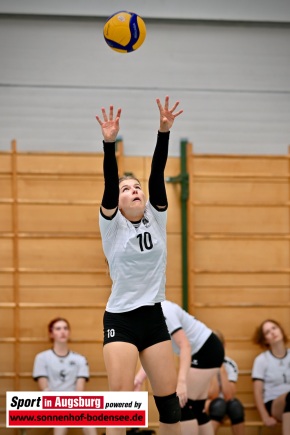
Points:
[[128, 177]]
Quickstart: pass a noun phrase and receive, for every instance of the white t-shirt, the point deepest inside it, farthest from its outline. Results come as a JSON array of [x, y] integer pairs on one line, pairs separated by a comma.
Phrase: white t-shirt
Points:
[[176, 318], [232, 372], [274, 372], [231, 369], [137, 259], [62, 372]]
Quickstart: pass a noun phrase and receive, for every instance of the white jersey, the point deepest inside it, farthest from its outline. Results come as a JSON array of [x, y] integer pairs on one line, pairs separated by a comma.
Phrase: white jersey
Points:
[[176, 318], [274, 372], [62, 372], [232, 371], [137, 259]]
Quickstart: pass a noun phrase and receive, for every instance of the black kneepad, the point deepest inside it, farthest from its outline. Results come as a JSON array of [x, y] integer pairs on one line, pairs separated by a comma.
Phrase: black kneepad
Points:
[[235, 411], [217, 409], [169, 408], [194, 410], [187, 412], [287, 405]]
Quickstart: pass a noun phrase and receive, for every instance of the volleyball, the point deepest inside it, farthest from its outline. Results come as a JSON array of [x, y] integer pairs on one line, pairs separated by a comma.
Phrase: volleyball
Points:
[[124, 31]]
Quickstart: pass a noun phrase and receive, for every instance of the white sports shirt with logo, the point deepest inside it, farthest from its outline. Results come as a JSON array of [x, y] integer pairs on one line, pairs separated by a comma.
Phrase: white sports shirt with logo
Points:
[[62, 372], [274, 372], [232, 372], [137, 259], [176, 318], [231, 369]]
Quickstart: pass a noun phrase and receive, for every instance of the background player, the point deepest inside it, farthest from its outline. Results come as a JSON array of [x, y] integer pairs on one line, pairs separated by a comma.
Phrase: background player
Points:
[[271, 375], [200, 356], [59, 368], [222, 401]]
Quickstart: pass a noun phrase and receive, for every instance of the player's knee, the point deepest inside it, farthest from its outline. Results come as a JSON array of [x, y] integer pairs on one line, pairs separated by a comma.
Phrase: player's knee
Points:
[[235, 411], [187, 412], [194, 410], [168, 408], [287, 404], [217, 409], [201, 415]]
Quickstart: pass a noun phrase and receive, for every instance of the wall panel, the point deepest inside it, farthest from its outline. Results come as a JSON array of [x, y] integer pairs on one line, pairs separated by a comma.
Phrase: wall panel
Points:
[[7, 323], [239, 266], [76, 253], [72, 218], [6, 214], [254, 220], [238, 294], [6, 257]]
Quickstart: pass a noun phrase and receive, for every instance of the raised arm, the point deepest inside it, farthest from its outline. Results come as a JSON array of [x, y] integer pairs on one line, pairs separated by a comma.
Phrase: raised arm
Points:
[[167, 116], [110, 130], [157, 191], [110, 126]]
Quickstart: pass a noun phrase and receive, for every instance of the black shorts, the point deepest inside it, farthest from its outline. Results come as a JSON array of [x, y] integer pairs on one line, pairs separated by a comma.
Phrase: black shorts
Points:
[[210, 355], [268, 406], [142, 327]]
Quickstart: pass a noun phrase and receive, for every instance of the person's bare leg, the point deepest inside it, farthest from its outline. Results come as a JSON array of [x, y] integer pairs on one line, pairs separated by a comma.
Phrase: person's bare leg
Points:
[[215, 425], [239, 429], [89, 431], [277, 410], [286, 423], [197, 388], [158, 362], [116, 431], [170, 429], [189, 427], [206, 429], [120, 361], [59, 430]]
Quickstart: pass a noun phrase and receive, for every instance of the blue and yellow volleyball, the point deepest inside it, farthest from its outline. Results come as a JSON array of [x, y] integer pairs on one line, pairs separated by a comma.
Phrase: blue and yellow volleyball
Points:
[[124, 31]]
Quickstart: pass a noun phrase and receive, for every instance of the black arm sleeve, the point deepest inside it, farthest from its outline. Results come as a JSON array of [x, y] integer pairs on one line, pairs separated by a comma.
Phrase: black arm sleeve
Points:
[[157, 191], [111, 191]]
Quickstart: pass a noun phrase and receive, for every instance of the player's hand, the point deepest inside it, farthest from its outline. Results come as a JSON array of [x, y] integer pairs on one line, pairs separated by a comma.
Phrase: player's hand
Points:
[[110, 125], [269, 421], [167, 116], [181, 392]]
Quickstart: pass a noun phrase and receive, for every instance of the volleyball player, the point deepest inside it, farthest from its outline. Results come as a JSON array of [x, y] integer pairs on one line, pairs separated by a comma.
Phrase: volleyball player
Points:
[[271, 375], [221, 401], [133, 232], [59, 368], [201, 353]]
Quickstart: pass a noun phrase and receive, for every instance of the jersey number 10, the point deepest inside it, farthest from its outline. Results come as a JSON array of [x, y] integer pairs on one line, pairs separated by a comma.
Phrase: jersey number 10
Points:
[[145, 241]]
